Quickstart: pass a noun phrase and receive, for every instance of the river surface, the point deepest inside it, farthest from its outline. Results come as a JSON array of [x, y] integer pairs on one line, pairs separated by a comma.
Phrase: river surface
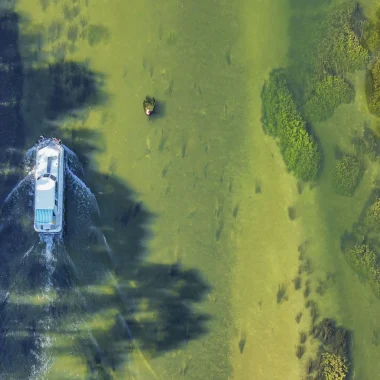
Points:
[[178, 236]]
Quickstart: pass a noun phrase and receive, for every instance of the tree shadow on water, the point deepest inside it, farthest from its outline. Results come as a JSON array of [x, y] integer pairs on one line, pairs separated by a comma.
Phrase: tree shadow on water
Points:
[[154, 305], [92, 294]]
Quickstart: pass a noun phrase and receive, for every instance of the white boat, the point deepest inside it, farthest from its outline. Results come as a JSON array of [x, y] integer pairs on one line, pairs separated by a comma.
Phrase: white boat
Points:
[[49, 186]]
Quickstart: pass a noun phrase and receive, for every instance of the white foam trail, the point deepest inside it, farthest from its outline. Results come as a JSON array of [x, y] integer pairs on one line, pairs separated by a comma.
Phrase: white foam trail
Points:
[[108, 249], [27, 253], [44, 340], [72, 161], [69, 151], [81, 185], [28, 161], [17, 187]]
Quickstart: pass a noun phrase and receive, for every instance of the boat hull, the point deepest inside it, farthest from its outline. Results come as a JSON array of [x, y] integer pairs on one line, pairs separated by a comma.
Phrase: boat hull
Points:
[[49, 186]]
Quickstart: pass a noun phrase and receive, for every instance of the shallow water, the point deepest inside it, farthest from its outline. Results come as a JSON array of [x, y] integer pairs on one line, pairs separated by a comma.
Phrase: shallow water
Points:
[[176, 267]]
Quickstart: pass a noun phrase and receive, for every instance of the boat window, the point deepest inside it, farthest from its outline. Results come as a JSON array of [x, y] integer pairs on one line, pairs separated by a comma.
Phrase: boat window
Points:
[[54, 178], [46, 175], [50, 161], [56, 190]]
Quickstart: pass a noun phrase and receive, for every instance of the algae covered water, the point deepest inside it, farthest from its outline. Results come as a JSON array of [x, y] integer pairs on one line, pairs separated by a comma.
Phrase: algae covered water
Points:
[[202, 241]]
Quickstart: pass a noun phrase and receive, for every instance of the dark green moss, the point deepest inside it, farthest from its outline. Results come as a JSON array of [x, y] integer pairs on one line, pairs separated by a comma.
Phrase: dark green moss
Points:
[[326, 96], [373, 88], [347, 174], [282, 121], [371, 35], [97, 34], [365, 261], [326, 45]]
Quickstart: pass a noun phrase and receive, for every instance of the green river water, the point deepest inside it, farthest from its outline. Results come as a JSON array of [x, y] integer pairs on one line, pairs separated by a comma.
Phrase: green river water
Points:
[[194, 200]]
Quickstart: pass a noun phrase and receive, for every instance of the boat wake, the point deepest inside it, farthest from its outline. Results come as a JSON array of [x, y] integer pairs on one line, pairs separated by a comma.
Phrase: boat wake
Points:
[[44, 278]]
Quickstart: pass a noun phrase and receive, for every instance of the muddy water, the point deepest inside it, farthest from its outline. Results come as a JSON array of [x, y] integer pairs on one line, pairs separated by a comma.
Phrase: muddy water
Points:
[[194, 201]]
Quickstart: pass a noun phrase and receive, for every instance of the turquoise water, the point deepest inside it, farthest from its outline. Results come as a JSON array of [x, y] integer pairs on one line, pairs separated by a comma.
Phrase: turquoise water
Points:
[[182, 229]]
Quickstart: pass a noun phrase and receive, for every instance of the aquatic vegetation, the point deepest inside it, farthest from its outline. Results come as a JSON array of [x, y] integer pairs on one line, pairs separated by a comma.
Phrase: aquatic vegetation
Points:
[[242, 343], [300, 351], [306, 292], [305, 267], [298, 317], [335, 339], [338, 46], [347, 174], [312, 365], [373, 88], [365, 261], [282, 121], [370, 221], [326, 46], [96, 34], [371, 35], [367, 143], [333, 367], [303, 337], [321, 287], [297, 283], [313, 312], [258, 189], [292, 213], [281, 294], [326, 96]]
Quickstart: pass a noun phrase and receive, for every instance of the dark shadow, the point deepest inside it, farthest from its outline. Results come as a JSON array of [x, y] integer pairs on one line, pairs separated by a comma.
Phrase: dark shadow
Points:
[[159, 110], [94, 287], [11, 86]]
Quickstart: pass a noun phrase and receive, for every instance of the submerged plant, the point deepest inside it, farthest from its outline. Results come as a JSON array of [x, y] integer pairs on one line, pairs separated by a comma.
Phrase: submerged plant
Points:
[[364, 260], [281, 294], [327, 46], [347, 174], [333, 367], [326, 96], [282, 120], [373, 88]]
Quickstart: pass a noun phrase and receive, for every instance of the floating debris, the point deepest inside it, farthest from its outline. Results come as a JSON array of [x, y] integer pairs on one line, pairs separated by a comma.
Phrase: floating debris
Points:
[[149, 104]]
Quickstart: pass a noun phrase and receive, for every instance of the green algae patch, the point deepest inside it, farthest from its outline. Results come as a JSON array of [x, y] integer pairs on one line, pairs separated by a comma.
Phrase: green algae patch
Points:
[[364, 260], [347, 174], [361, 247], [282, 121], [334, 350], [333, 367], [328, 45], [326, 96], [373, 88]]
